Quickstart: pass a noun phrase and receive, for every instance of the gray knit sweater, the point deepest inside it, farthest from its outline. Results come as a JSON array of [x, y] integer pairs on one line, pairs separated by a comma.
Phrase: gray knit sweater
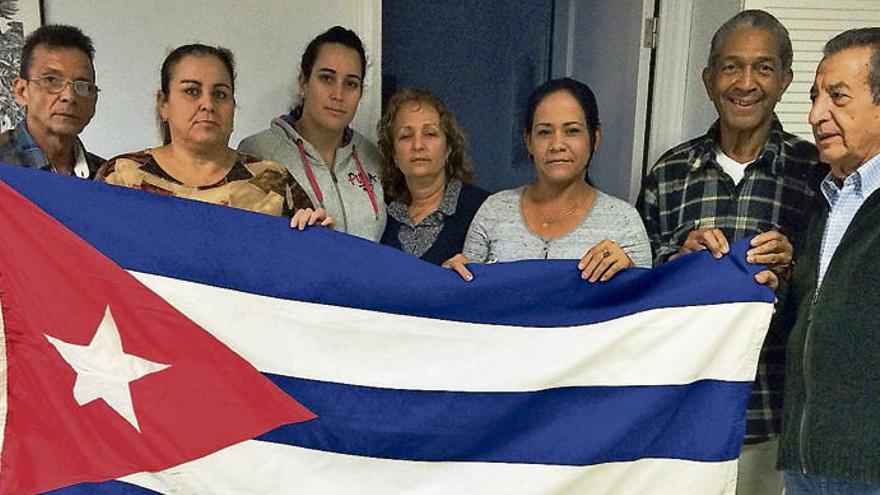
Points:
[[499, 232]]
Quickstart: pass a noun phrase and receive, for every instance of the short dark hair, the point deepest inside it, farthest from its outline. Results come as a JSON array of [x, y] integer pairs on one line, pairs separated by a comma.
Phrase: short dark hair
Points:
[[54, 36], [757, 19], [174, 57], [856, 38], [585, 98], [458, 164], [336, 34]]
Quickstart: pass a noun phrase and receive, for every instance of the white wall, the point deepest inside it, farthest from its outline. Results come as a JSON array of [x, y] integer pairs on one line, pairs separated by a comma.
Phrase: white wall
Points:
[[267, 37]]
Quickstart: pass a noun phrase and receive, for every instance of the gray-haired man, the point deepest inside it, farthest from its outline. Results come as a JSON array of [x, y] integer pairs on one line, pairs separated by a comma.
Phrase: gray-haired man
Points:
[[831, 438]]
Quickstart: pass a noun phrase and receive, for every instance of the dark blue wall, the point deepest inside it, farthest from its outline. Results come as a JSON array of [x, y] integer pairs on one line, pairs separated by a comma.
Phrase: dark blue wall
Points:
[[483, 58]]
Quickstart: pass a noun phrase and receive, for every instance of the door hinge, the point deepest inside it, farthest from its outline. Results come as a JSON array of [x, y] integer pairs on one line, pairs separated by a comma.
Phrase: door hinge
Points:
[[652, 25]]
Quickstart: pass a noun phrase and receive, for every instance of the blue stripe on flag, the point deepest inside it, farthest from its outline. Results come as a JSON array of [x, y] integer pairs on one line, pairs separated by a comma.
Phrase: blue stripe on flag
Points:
[[261, 255], [566, 426], [105, 488]]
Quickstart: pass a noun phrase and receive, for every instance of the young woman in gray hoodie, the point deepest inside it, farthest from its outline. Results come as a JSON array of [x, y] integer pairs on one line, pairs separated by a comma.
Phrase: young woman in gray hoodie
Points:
[[337, 166]]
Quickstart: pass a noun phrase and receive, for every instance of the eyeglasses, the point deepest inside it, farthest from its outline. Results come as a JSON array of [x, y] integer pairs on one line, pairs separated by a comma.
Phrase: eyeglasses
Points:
[[55, 85]]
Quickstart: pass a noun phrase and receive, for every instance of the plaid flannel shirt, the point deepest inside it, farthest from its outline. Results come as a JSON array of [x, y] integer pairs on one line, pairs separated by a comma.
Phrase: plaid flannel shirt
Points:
[[688, 190]]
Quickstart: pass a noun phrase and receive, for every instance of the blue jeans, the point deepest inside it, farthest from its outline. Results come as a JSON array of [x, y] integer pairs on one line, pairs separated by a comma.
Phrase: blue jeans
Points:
[[798, 484]]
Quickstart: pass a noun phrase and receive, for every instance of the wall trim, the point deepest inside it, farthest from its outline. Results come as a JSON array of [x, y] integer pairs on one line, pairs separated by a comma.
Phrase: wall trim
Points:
[[670, 77]]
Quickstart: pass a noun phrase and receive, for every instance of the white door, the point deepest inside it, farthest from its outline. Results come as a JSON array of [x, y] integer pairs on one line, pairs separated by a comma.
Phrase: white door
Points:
[[680, 107]]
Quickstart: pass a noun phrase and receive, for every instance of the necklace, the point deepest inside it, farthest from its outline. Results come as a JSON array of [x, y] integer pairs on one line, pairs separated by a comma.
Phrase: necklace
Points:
[[549, 220]]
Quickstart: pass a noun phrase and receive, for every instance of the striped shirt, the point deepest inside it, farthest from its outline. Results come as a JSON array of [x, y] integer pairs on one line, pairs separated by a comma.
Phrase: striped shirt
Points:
[[845, 201], [687, 190]]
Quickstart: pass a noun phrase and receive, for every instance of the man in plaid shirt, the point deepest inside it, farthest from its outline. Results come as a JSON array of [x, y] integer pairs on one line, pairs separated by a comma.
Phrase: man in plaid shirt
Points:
[[745, 176]]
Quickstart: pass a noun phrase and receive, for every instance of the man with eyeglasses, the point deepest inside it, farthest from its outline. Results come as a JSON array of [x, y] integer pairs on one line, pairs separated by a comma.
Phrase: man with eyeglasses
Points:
[[56, 86]]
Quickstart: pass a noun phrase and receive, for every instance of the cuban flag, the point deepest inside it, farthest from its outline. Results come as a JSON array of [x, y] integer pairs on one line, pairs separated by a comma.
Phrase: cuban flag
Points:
[[158, 345]]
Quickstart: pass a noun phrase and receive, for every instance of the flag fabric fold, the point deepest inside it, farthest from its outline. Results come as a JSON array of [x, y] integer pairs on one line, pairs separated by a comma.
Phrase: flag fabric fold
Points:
[[314, 362]]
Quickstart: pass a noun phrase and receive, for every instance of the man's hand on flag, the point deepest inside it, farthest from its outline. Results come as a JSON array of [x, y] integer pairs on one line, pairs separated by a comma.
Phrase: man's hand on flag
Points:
[[701, 239]]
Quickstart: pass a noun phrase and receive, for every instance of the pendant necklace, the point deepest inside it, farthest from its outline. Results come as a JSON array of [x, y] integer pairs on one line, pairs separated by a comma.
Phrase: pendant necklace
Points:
[[546, 221]]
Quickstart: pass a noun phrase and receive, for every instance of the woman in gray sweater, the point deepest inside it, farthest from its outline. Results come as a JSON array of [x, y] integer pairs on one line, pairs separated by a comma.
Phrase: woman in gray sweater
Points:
[[560, 215]]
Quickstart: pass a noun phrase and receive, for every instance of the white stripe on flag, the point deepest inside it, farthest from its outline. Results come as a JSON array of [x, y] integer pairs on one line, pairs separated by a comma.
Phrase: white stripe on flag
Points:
[[362, 347], [254, 467]]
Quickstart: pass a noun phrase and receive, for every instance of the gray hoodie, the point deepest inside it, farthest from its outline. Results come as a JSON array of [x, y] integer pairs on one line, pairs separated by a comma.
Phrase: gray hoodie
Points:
[[345, 197]]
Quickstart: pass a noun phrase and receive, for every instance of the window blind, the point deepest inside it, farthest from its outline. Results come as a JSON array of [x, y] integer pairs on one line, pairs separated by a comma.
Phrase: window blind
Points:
[[810, 24]]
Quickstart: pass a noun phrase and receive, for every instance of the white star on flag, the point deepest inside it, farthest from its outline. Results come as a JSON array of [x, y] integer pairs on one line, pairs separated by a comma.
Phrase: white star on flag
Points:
[[103, 371]]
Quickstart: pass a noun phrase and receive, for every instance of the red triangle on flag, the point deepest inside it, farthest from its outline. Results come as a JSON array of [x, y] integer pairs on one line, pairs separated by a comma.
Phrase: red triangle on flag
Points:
[[55, 287]]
